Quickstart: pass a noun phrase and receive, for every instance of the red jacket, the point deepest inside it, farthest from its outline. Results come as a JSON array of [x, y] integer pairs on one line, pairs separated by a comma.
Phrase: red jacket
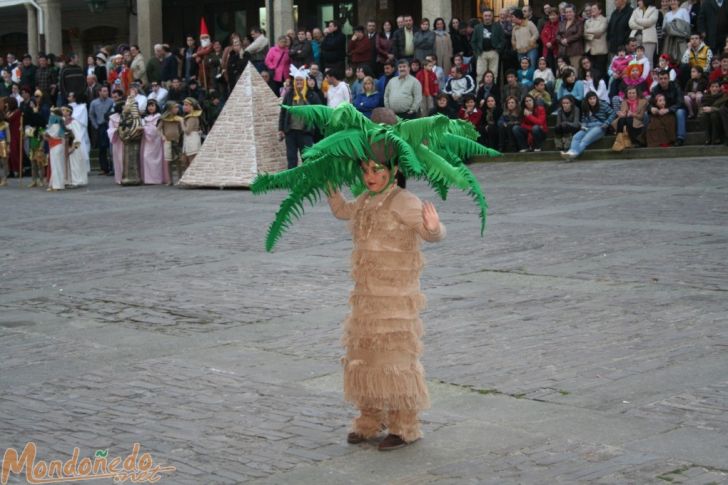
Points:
[[718, 75], [473, 117], [428, 80], [360, 51], [548, 34], [538, 117]]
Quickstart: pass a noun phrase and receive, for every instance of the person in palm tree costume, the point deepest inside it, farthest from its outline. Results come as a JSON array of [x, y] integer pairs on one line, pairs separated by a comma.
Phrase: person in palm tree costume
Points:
[[383, 376]]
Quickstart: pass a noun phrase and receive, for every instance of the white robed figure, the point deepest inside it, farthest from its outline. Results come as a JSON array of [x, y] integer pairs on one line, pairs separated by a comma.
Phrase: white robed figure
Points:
[[80, 114], [77, 157], [56, 136]]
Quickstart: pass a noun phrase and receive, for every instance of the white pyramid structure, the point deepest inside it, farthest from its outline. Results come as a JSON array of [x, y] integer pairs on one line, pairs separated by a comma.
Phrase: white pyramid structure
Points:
[[244, 140]]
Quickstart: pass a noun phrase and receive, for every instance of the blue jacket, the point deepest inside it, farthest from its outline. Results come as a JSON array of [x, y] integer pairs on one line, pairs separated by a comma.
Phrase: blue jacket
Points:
[[383, 80], [577, 91], [366, 104], [603, 117]]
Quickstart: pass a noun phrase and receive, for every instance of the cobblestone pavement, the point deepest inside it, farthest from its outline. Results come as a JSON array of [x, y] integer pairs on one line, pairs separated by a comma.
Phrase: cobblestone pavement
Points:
[[582, 340]]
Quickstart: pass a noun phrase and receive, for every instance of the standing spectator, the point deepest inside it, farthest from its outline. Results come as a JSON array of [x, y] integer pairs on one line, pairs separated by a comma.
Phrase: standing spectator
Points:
[[384, 42], [524, 38], [45, 77], [618, 30], [424, 40], [596, 116], [698, 54], [674, 103], [642, 22], [507, 56], [430, 87], [595, 36], [72, 78], [458, 40], [661, 129], [189, 65], [371, 35], [278, 62], [292, 128], [571, 37], [403, 44], [528, 15], [369, 98], [120, 75], [258, 49], [630, 121], [214, 66], [549, 40], [443, 43], [338, 91], [138, 66], [100, 70], [360, 50], [4, 150], [547, 9], [153, 68], [694, 89], [98, 112], [316, 38], [301, 52], [486, 42], [676, 27], [92, 89], [27, 72], [333, 48], [568, 122], [710, 118], [403, 94], [169, 66], [713, 22], [236, 63], [531, 133]]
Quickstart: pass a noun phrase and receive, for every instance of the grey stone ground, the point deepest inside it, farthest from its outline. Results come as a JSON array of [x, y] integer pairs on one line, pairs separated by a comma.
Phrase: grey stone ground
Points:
[[583, 340]]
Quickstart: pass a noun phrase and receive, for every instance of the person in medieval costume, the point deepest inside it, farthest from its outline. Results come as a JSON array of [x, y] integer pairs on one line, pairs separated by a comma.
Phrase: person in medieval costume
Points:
[[14, 118], [37, 155], [192, 131], [296, 134], [117, 146], [80, 114], [4, 150], [383, 376], [131, 131], [77, 157], [55, 134], [152, 146], [171, 127], [204, 73]]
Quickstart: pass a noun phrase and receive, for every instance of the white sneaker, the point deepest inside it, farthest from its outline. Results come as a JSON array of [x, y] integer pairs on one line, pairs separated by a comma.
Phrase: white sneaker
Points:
[[536, 149], [524, 150]]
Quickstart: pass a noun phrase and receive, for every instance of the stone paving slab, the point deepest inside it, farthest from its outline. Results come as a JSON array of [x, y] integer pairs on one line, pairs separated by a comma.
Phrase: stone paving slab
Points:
[[582, 340]]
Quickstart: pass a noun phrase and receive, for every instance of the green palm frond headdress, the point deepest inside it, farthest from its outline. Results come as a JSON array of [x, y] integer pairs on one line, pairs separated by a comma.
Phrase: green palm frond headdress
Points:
[[432, 149]]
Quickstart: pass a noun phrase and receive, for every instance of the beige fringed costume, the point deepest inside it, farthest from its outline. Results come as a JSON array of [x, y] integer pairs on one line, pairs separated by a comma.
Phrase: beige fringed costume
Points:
[[383, 376]]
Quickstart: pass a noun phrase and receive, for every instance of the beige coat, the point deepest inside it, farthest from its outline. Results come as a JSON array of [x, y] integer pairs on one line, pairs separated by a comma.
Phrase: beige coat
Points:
[[139, 69], [525, 37], [644, 22], [637, 117], [595, 36]]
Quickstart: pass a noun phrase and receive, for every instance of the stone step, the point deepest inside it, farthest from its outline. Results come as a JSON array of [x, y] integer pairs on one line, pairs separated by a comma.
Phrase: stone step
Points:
[[687, 151], [690, 125], [608, 140]]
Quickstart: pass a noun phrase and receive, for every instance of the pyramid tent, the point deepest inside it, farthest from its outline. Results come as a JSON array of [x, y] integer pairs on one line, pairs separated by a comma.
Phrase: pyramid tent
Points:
[[244, 139]]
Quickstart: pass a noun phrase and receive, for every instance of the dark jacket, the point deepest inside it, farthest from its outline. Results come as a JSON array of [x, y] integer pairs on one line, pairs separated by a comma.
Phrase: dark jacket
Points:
[[73, 80], [618, 28], [497, 38], [284, 119], [712, 20], [301, 53], [424, 44], [169, 68], [384, 46], [574, 35], [333, 48], [398, 42], [673, 96], [570, 119]]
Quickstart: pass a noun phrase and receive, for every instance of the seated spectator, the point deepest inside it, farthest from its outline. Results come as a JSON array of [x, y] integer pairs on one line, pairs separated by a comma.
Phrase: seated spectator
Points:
[[697, 54], [694, 89], [487, 88], [586, 66], [630, 120], [570, 86], [390, 70], [510, 117], [545, 73], [540, 94], [619, 62], [368, 97], [562, 64], [470, 112], [439, 72], [525, 73], [594, 85], [531, 132], [674, 103], [632, 77], [430, 88], [176, 92], [664, 62], [596, 116], [459, 61], [489, 133], [720, 73], [710, 118], [349, 76], [512, 88], [640, 58], [661, 129], [458, 85], [567, 123], [362, 71], [445, 107]]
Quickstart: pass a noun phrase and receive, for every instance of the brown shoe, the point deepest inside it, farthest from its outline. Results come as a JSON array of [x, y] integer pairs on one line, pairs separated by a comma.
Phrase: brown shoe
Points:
[[354, 438], [392, 442]]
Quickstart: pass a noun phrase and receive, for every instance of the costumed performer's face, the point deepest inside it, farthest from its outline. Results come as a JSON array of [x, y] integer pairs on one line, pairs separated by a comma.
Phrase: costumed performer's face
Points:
[[376, 176], [299, 82]]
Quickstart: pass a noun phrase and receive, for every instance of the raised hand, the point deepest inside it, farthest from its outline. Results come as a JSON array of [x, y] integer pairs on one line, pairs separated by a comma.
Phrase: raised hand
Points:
[[430, 218]]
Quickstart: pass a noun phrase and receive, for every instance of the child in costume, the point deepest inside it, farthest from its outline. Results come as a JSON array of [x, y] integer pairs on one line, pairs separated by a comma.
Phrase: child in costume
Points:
[[193, 131], [171, 128], [4, 150], [38, 157], [383, 376], [56, 136]]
